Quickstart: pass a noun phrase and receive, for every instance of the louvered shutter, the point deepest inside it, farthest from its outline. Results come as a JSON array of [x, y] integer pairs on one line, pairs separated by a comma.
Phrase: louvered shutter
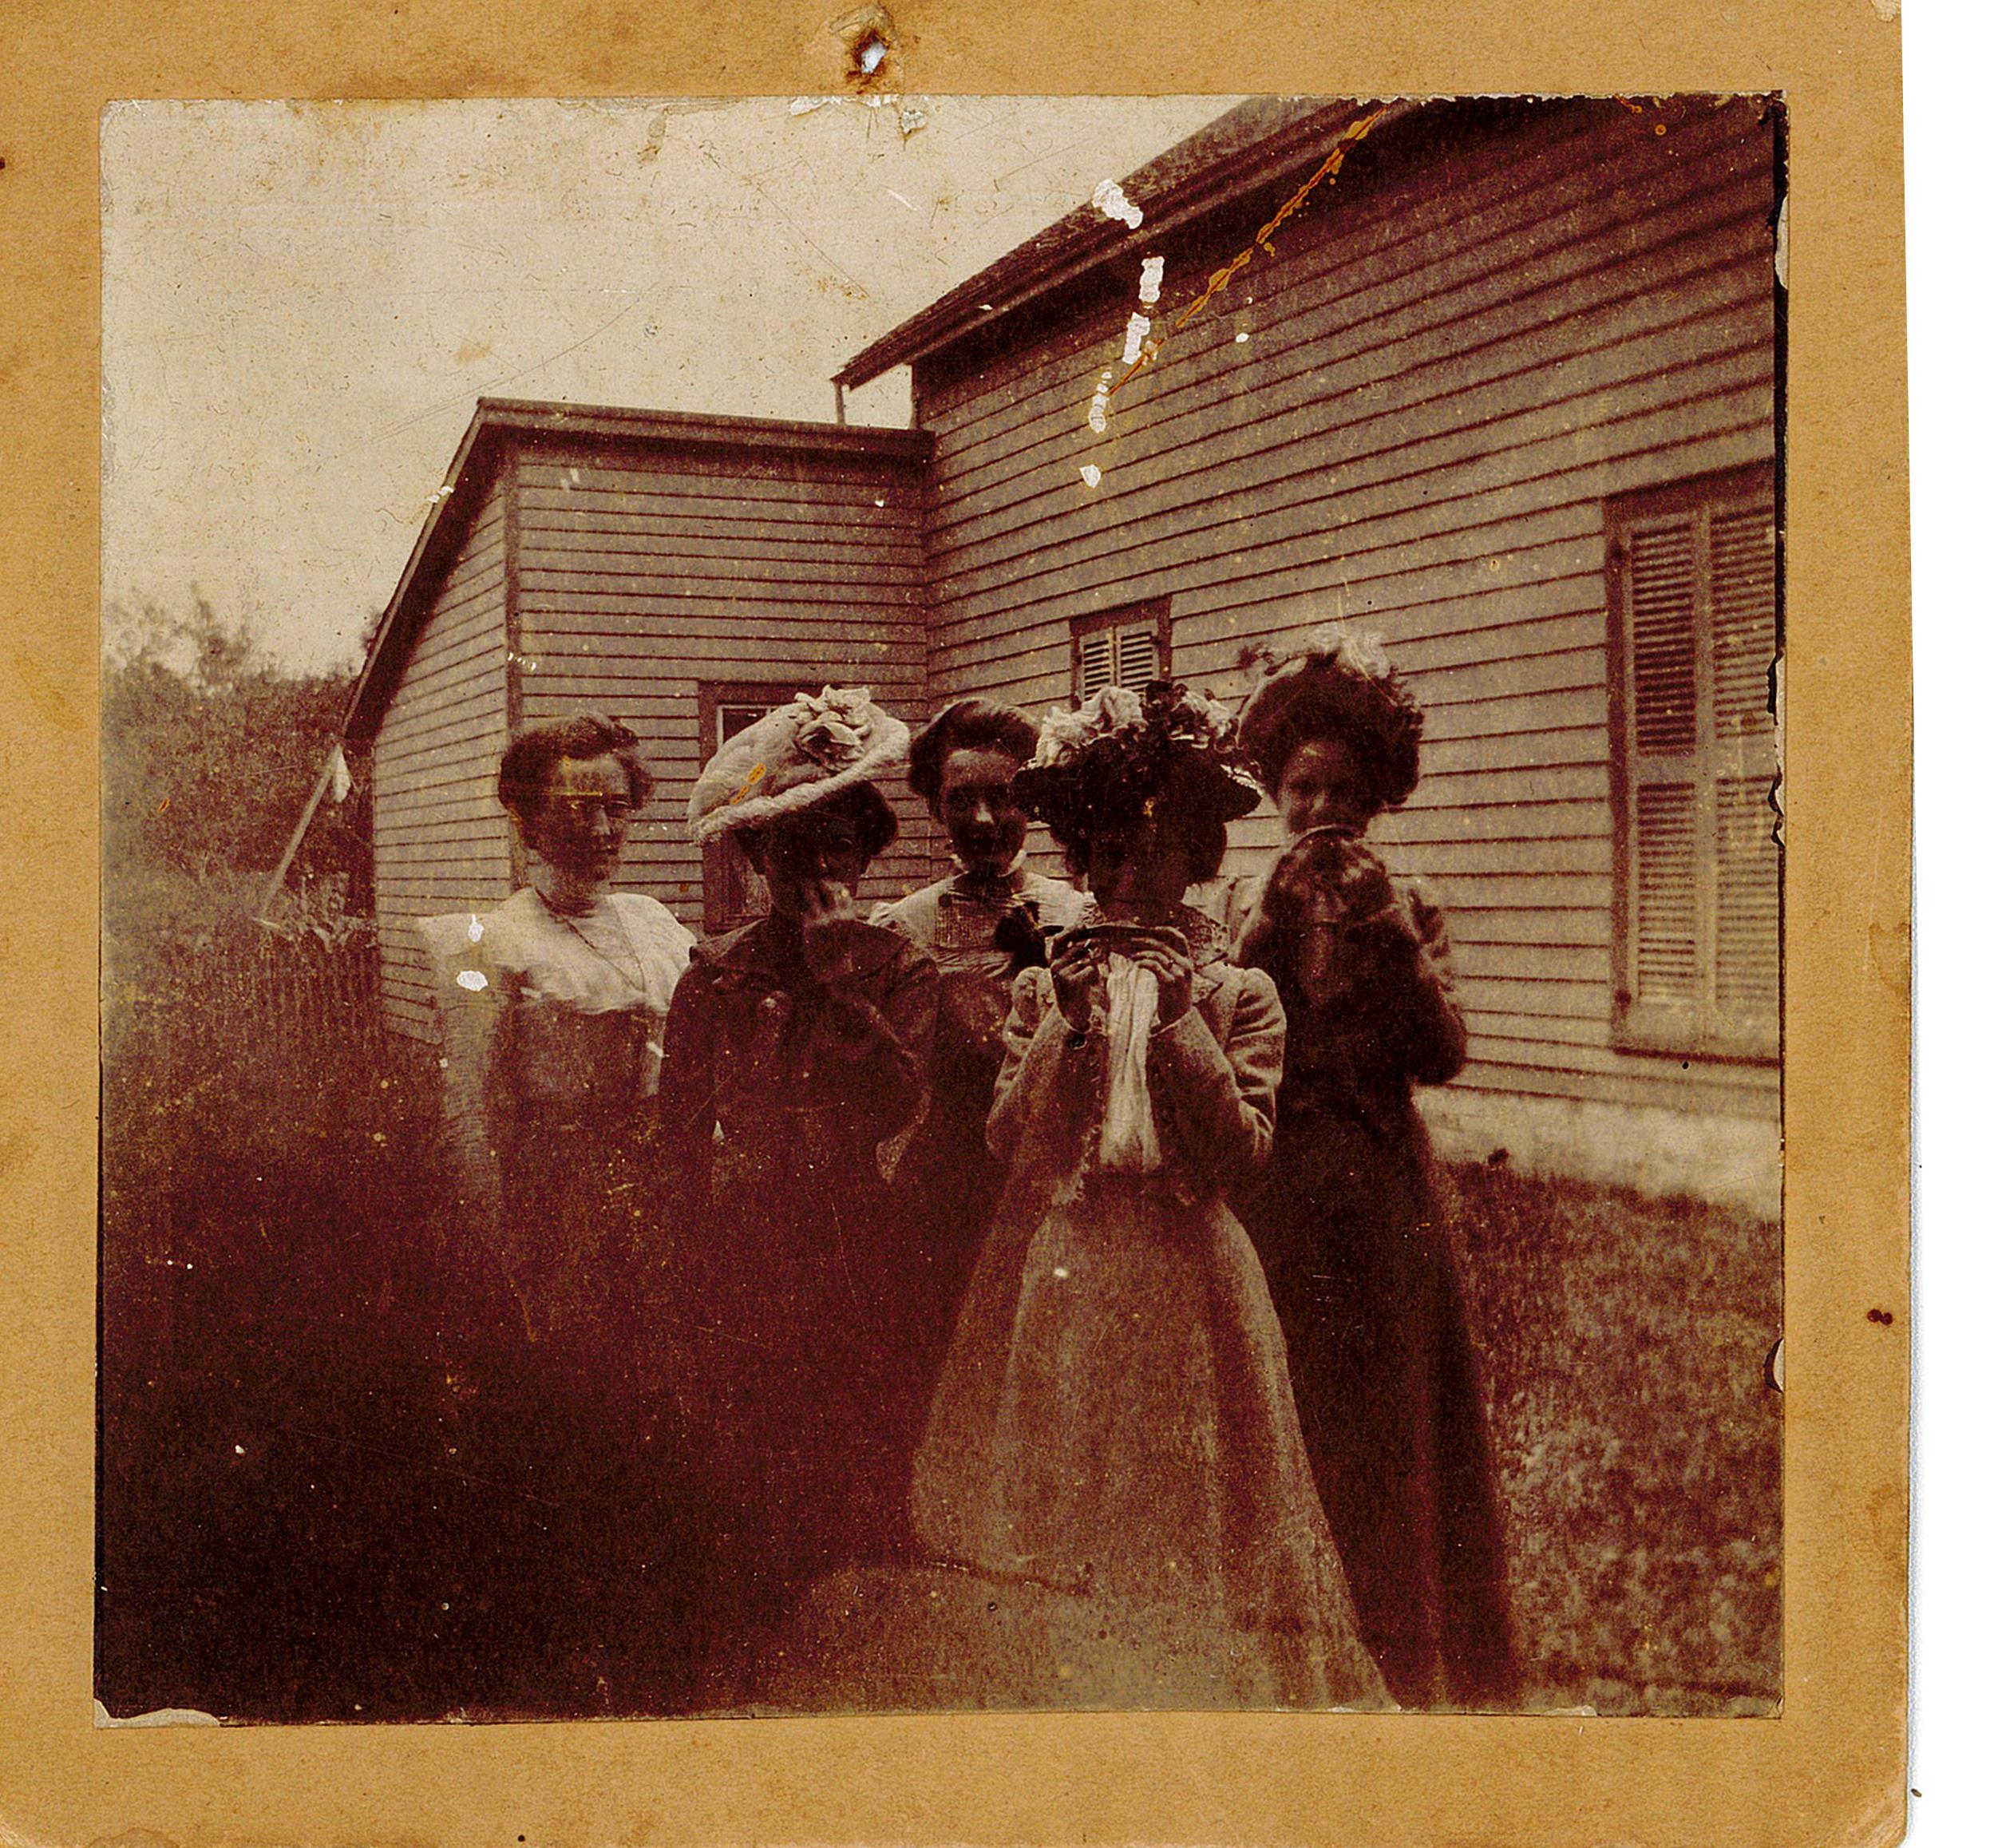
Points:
[[1139, 660], [1095, 662], [1127, 646], [1667, 977], [1694, 583], [1748, 868]]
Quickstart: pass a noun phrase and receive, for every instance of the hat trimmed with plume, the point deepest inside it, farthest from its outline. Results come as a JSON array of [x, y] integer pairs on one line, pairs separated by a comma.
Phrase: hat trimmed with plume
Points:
[[812, 748], [1337, 684]]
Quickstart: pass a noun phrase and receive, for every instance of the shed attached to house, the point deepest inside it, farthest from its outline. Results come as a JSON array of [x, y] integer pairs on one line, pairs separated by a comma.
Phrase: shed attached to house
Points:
[[680, 573], [1503, 389]]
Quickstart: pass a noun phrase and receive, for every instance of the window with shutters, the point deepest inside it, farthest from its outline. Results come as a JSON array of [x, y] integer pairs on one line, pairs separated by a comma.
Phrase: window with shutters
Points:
[[1692, 578], [734, 893], [1122, 648]]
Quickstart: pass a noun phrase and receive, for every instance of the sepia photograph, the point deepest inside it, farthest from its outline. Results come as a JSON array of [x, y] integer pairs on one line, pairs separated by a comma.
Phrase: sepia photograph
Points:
[[915, 905]]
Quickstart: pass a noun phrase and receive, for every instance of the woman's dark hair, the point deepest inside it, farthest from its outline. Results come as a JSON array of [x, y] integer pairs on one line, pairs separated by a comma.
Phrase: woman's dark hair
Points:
[[527, 763], [1200, 825], [1375, 716], [967, 724], [877, 824]]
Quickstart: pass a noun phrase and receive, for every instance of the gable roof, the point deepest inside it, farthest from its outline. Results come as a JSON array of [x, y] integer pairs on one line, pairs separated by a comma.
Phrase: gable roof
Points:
[[500, 424], [1254, 145]]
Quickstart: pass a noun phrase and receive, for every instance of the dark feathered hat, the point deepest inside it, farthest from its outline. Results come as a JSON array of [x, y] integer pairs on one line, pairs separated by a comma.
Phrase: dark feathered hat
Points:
[[1120, 749]]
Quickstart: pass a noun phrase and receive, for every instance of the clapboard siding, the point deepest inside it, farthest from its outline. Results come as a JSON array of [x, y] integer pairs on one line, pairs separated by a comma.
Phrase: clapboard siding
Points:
[[1451, 363], [440, 840], [1339, 345], [640, 578]]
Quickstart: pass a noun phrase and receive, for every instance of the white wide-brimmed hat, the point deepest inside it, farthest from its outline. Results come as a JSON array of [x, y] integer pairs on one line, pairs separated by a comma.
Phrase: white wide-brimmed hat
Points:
[[812, 748]]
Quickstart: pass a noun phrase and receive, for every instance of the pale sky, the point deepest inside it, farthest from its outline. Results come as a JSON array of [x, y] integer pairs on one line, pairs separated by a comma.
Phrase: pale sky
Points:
[[303, 301]]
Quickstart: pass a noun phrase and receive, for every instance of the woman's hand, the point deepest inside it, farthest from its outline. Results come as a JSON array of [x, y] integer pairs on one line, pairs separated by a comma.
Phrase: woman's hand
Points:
[[828, 920], [1391, 932], [825, 901], [1166, 953], [1074, 974]]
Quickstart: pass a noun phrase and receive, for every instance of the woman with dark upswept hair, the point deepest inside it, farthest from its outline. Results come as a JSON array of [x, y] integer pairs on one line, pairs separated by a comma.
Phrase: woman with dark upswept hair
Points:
[[1358, 1255], [981, 925], [553, 1004]]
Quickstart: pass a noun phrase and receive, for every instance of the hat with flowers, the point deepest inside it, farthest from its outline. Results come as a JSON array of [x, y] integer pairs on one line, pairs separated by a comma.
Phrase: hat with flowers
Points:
[[1121, 749], [1338, 684], [814, 747]]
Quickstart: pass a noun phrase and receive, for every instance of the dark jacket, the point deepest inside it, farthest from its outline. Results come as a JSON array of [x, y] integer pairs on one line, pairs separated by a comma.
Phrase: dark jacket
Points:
[[793, 1281], [1366, 1281]]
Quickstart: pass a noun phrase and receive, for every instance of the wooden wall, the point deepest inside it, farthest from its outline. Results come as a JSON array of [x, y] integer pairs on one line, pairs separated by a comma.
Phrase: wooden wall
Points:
[[440, 841], [644, 570], [1451, 361]]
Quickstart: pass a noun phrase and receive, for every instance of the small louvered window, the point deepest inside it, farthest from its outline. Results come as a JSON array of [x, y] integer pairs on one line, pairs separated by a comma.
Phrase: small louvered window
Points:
[[1692, 581], [1120, 647]]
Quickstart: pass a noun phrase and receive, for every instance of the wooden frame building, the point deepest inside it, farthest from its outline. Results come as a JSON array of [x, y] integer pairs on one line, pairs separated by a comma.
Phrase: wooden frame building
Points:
[[1504, 391]]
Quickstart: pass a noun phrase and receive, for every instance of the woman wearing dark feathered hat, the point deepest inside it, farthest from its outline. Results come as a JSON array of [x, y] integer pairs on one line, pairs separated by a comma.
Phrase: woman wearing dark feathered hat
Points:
[[1359, 1257], [1114, 1436]]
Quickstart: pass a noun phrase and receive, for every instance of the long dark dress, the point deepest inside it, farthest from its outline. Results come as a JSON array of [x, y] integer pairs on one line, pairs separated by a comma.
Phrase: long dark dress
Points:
[[794, 1275], [1366, 1285]]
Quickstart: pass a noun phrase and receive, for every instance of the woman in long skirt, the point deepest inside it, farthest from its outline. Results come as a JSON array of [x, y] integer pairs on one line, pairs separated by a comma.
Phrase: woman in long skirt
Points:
[[1114, 1429], [1346, 1219]]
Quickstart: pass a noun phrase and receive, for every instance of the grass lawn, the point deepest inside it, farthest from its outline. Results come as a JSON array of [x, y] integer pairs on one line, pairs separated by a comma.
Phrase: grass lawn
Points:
[[1639, 1439], [301, 1509]]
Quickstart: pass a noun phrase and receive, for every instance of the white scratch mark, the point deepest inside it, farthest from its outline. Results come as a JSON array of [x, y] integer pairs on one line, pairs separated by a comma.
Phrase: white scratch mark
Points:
[[473, 980], [1109, 200], [1151, 269], [1777, 791], [1138, 327], [1089, 475], [808, 105], [1101, 397], [901, 198], [1782, 236]]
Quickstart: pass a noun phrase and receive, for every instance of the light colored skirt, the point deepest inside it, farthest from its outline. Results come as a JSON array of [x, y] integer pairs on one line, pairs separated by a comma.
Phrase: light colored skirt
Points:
[[1115, 1424]]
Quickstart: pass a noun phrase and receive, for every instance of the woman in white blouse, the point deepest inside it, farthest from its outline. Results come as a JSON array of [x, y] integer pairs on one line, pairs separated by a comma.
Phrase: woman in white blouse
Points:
[[553, 1007]]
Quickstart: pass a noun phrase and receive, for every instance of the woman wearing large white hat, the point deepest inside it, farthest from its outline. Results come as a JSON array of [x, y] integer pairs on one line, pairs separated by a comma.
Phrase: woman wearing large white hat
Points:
[[797, 1048]]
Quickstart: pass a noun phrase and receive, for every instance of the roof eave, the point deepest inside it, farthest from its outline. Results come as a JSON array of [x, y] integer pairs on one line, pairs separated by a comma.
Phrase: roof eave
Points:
[[451, 508], [988, 295], [497, 421]]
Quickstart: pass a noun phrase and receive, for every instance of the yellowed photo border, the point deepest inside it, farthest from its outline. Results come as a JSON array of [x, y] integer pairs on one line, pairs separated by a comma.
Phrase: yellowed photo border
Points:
[[1831, 1769]]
